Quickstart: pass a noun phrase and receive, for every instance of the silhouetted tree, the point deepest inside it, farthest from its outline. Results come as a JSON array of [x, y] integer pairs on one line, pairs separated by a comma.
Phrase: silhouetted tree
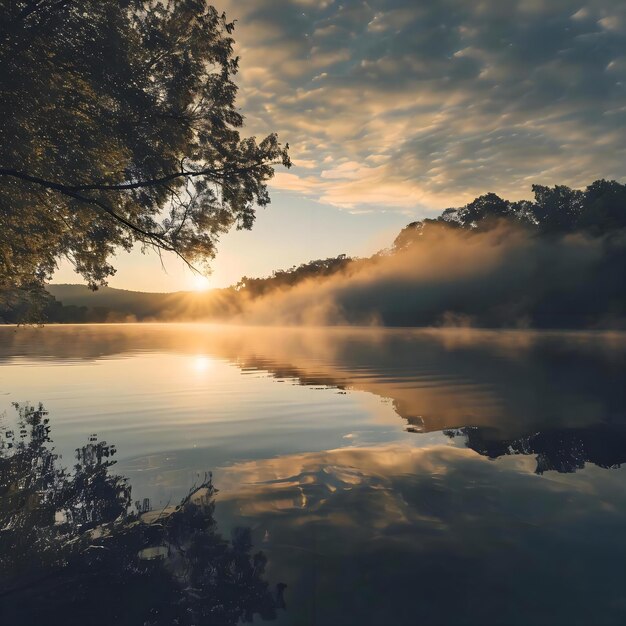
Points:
[[484, 210], [558, 210], [255, 287], [119, 125], [414, 231], [26, 304], [604, 208]]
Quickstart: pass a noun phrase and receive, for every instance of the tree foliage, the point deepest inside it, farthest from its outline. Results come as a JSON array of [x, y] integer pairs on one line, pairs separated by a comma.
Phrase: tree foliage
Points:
[[283, 279], [598, 210], [119, 126]]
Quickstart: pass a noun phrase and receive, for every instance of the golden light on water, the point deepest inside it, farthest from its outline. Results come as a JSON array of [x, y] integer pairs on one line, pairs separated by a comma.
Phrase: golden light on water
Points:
[[201, 364]]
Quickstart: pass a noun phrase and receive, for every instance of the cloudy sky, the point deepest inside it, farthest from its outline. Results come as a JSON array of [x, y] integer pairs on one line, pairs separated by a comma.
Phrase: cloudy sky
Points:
[[395, 109]]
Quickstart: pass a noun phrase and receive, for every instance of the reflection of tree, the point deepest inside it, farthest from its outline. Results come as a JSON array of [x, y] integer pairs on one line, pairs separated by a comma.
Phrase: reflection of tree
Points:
[[563, 450], [71, 551]]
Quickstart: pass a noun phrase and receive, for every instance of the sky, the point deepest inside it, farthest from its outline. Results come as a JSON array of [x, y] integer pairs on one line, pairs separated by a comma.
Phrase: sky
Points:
[[397, 109]]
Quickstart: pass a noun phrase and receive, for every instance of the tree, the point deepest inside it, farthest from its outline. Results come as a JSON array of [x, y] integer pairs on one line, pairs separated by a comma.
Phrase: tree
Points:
[[556, 211], [484, 211], [558, 208], [605, 208], [119, 126]]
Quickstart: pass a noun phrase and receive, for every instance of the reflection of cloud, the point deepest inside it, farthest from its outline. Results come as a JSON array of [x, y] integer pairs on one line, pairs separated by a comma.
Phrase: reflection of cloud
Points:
[[461, 96], [341, 469], [430, 533]]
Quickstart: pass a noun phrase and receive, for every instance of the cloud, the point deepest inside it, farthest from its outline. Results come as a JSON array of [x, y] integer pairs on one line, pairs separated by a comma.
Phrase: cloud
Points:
[[456, 98]]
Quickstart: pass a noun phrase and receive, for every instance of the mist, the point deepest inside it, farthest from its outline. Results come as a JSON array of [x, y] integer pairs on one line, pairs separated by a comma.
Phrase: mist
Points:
[[503, 277]]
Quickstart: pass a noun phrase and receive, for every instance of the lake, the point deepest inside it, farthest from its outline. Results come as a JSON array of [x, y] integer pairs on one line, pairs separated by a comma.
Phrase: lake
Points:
[[406, 476]]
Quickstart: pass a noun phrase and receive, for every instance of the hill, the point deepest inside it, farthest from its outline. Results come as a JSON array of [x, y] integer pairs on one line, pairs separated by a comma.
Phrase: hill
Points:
[[137, 303], [78, 303]]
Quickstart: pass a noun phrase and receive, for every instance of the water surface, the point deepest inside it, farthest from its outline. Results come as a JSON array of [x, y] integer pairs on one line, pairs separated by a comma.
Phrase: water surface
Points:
[[389, 476]]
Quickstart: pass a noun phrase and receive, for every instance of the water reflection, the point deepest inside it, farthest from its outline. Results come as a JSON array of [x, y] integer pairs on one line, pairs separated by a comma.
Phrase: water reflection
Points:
[[564, 450], [510, 383], [438, 535], [505, 504], [72, 552]]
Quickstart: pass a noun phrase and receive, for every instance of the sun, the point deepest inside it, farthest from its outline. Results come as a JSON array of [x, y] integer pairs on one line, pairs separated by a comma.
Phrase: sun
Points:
[[200, 283]]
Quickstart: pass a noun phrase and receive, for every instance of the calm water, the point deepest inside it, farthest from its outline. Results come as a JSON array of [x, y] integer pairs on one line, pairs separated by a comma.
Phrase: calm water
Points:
[[401, 476]]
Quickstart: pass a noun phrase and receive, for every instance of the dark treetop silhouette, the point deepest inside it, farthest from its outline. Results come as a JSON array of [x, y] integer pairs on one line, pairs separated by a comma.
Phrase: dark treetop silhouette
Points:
[[119, 126]]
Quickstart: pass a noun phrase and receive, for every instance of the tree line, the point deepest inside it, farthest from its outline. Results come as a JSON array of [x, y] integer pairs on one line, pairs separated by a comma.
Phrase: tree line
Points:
[[598, 210], [597, 214]]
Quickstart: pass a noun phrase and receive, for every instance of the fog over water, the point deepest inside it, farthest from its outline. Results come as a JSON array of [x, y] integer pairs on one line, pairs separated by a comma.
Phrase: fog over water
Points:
[[503, 277]]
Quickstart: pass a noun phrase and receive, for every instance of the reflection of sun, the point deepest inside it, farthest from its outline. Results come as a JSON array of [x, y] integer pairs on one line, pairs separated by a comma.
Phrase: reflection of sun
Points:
[[201, 364], [200, 283]]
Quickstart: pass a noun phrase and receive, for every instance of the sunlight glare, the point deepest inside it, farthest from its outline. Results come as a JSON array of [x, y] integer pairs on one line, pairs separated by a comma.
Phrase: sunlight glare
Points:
[[200, 283], [202, 364]]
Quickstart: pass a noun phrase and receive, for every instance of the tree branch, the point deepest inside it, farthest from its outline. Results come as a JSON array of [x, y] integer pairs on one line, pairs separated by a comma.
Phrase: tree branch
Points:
[[152, 182], [145, 236]]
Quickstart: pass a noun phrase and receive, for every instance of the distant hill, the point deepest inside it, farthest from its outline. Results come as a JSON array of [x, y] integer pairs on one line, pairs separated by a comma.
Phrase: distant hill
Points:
[[78, 303], [120, 300]]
